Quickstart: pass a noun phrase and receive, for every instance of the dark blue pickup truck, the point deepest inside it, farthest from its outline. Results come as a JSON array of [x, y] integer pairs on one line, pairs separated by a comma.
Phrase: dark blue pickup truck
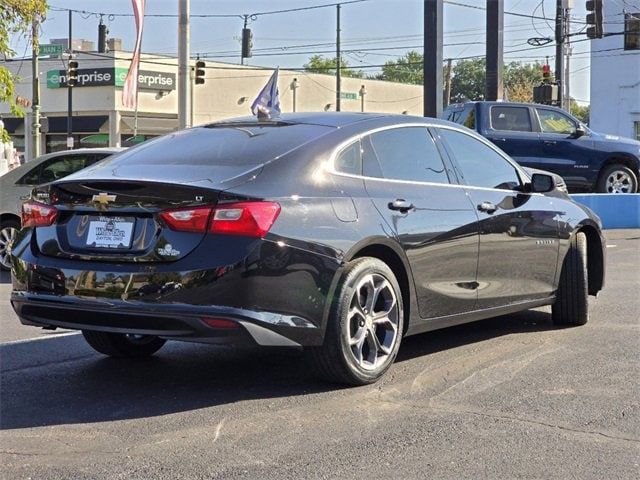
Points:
[[548, 138]]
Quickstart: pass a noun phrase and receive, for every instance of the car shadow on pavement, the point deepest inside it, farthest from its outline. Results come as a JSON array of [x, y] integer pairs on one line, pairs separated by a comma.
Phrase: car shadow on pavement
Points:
[[62, 381]]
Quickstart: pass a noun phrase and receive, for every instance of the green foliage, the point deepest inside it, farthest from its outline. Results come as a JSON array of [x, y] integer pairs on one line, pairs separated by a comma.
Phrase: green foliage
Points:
[[320, 64], [16, 18], [406, 69], [580, 112], [467, 81]]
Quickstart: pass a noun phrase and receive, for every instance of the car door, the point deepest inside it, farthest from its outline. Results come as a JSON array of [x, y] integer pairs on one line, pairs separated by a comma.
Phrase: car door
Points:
[[518, 231], [563, 152], [512, 130], [409, 184]]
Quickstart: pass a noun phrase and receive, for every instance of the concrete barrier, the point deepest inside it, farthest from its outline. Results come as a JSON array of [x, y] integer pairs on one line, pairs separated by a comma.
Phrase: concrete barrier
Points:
[[615, 210]]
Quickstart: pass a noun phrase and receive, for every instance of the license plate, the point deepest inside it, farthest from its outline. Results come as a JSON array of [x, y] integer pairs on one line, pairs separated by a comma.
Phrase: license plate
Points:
[[110, 232]]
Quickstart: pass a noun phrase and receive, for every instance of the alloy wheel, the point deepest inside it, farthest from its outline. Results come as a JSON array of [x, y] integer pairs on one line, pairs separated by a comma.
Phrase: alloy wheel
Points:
[[619, 181], [372, 326], [7, 235]]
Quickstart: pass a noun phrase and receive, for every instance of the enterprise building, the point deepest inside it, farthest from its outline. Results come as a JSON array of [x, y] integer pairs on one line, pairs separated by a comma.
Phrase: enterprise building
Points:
[[100, 119]]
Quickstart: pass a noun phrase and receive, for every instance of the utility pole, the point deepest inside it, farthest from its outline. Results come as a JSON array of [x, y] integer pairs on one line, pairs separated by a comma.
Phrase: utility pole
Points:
[[447, 84], [432, 58], [567, 49], [338, 60], [494, 87], [70, 88], [560, 37], [294, 86], [184, 83], [35, 106]]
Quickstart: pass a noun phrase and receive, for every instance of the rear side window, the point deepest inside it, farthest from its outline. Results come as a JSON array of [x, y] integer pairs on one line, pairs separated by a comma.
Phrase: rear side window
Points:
[[407, 153], [464, 116], [56, 168], [62, 167], [516, 119], [349, 160], [480, 165]]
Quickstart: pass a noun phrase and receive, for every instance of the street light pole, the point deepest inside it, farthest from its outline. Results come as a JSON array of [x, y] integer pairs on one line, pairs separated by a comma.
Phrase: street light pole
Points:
[[35, 106], [70, 89], [338, 60], [183, 64]]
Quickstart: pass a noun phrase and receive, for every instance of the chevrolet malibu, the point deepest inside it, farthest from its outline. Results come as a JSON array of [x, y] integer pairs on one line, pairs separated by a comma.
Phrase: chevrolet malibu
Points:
[[337, 233]]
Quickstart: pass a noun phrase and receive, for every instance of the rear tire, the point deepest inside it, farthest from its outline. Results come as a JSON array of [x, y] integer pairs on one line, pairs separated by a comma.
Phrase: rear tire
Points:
[[121, 345], [8, 230], [617, 178], [572, 298], [364, 329]]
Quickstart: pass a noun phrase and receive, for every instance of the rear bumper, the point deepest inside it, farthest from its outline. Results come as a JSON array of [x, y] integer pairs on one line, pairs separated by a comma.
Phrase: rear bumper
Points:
[[276, 294], [176, 322]]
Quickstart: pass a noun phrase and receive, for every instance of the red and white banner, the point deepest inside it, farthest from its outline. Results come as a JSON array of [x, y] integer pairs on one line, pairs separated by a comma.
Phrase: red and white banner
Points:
[[130, 89]]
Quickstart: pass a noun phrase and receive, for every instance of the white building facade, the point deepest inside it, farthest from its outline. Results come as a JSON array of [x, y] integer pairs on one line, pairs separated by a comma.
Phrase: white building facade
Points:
[[100, 119], [615, 71]]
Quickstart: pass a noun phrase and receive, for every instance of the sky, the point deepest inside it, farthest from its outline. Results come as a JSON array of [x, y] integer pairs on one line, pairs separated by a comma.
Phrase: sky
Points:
[[393, 25]]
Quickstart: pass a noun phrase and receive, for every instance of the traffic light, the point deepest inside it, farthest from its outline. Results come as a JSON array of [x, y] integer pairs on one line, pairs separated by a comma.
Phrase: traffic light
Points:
[[247, 42], [546, 74], [102, 38], [72, 73], [199, 72], [594, 18]]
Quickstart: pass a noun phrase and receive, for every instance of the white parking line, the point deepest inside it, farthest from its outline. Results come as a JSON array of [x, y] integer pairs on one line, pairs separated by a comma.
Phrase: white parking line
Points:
[[47, 337]]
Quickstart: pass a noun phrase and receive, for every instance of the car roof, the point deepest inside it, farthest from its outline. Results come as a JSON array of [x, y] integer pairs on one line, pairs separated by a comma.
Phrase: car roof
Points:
[[326, 119]]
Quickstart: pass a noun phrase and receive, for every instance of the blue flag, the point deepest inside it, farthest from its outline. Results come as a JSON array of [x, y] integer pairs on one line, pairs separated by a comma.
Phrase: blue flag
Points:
[[267, 104]]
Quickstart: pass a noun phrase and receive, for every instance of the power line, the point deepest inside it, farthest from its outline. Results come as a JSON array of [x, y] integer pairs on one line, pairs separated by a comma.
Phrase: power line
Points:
[[205, 15]]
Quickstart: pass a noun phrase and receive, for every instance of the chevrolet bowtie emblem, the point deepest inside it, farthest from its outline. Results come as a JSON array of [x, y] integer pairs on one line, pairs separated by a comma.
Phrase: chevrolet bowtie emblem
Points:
[[103, 198]]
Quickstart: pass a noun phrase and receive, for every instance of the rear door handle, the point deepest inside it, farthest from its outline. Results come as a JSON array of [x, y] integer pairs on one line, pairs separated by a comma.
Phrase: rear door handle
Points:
[[487, 207], [549, 142], [401, 205]]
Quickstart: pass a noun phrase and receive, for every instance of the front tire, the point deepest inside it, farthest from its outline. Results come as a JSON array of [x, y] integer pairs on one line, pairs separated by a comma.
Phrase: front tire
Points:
[[617, 178], [364, 329], [572, 298], [122, 345]]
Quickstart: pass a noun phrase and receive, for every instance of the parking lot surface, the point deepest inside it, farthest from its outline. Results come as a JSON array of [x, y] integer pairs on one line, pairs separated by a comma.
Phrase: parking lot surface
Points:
[[510, 397]]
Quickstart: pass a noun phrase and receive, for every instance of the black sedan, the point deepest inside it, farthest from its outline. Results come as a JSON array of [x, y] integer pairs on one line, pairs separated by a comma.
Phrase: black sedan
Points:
[[338, 233]]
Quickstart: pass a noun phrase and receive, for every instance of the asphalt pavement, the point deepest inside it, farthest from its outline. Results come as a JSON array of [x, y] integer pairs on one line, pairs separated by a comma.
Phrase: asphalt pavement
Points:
[[510, 397]]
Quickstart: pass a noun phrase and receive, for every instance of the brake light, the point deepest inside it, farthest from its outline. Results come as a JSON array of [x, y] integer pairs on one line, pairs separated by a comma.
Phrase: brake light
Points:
[[36, 214], [194, 219], [252, 219]]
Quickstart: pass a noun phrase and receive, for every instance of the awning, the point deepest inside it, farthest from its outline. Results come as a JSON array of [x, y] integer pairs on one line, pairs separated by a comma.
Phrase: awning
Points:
[[150, 125], [13, 124], [79, 124]]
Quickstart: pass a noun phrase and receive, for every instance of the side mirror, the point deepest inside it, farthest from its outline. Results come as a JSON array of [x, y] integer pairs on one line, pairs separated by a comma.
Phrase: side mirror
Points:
[[580, 132], [542, 183]]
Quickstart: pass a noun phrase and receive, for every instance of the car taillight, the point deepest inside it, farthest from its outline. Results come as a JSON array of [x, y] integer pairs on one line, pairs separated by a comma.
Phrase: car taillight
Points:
[[194, 219], [36, 214], [252, 219]]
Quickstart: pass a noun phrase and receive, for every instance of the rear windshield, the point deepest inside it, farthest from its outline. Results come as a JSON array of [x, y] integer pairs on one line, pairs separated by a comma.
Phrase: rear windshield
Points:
[[223, 144]]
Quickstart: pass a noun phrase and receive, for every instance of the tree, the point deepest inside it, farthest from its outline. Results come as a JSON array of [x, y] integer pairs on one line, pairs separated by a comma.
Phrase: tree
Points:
[[580, 112], [320, 64], [406, 69], [16, 18], [519, 80], [467, 80]]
